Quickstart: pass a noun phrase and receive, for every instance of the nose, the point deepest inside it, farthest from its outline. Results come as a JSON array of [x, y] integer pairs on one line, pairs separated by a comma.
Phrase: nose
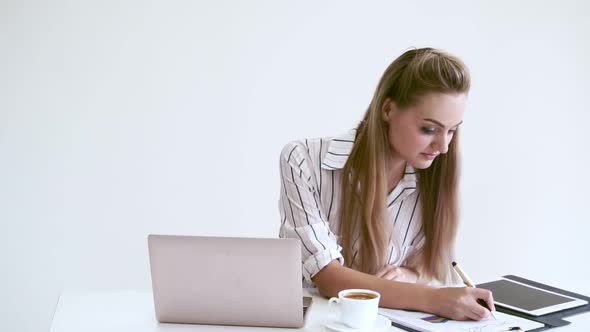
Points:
[[442, 143]]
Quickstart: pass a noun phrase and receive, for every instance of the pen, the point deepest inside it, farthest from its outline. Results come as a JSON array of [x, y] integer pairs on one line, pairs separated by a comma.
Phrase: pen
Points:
[[470, 283]]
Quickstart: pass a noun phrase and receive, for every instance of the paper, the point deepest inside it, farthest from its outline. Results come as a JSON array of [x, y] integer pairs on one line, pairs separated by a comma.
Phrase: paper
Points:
[[431, 323]]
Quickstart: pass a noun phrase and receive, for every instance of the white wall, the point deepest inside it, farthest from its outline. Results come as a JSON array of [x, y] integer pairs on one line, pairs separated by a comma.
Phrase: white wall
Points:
[[119, 119]]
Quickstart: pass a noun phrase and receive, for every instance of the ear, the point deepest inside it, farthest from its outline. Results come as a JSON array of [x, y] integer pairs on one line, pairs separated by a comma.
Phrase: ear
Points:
[[387, 109]]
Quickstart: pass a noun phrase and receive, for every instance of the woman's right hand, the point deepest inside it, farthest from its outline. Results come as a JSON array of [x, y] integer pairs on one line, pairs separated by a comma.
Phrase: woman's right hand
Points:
[[460, 303]]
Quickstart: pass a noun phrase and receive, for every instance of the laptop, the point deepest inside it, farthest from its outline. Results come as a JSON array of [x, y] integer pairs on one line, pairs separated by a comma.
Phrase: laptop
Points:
[[227, 281]]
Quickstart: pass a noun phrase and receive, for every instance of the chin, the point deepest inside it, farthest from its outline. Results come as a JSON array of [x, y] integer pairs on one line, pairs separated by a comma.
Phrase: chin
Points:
[[421, 164]]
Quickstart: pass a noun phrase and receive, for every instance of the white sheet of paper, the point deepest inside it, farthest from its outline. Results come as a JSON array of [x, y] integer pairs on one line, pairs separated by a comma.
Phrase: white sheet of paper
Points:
[[419, 321]]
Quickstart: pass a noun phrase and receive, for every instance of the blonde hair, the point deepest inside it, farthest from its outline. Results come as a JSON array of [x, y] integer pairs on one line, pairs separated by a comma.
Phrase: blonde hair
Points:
[[364, 181]]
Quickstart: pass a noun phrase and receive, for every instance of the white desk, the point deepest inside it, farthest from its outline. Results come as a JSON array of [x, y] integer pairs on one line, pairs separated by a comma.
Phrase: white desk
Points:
[[130, 311]]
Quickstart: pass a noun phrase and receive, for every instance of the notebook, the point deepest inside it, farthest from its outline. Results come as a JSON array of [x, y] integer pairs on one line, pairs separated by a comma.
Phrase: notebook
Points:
[[227, 281], [424, 322]]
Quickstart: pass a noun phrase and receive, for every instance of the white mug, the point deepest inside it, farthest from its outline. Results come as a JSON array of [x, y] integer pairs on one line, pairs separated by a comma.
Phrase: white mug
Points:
[[358, 307]]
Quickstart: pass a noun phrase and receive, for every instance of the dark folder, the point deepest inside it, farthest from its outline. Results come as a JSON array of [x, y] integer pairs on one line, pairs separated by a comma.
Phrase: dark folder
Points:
[[550, 320]]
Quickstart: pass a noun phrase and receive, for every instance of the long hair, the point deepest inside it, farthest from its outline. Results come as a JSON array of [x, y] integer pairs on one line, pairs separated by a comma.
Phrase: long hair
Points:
[[364, 179]]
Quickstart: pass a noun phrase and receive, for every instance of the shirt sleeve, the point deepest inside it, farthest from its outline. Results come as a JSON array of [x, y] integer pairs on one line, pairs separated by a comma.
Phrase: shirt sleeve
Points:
[[302, 215]]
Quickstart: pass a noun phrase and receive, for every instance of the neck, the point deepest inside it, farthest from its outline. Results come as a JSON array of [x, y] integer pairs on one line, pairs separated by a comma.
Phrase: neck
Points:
[[395, 171]]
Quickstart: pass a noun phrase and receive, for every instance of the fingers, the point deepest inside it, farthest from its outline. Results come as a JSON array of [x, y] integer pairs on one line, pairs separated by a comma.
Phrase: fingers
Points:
[[393, 274], [486, 296], [461, 303], [383, 271], [388, 272], [490, 301], [477, 312], [403, 274], [482, 303], [410, 275]]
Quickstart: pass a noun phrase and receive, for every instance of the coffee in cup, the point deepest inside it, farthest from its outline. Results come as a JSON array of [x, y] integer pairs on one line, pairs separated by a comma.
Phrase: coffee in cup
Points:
[[358, 307], [360, 296]]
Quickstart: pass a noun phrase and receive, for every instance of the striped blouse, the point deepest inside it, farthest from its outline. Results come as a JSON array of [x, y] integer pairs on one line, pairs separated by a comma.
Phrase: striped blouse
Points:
[[309, 204]]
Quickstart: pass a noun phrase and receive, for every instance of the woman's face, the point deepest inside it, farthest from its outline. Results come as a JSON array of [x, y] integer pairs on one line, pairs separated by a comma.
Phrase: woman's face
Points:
[[419, 133]]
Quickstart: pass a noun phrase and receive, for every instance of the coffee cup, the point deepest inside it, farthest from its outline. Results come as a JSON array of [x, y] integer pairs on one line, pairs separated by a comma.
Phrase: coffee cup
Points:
[[358, 307]]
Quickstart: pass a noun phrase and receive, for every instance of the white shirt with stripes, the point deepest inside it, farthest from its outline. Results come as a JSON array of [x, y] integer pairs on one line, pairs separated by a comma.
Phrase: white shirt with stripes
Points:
[[309, 204]]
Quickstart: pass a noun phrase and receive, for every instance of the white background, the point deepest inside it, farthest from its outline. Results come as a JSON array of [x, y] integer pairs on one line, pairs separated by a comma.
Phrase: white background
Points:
[[120, 119]]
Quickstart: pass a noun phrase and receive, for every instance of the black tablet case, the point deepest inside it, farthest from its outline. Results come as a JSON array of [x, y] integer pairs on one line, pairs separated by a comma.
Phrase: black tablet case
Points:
[[550, 320]]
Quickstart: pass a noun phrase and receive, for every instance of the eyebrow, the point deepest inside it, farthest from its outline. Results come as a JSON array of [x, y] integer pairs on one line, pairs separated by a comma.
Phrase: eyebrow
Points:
[[440, 124]]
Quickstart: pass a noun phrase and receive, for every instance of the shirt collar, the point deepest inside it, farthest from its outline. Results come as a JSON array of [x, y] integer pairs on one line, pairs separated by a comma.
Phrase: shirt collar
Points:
[[340, 148]]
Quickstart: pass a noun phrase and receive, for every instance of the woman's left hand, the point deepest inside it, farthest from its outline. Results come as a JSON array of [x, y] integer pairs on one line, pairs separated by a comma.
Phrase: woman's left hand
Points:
[[402, 274]]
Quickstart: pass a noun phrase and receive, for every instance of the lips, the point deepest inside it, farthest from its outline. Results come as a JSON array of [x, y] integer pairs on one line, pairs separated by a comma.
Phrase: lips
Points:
[[430, 156]]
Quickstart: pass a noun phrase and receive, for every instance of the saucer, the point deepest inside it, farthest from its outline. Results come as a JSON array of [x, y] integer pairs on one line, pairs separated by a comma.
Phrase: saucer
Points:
[[382, 323]]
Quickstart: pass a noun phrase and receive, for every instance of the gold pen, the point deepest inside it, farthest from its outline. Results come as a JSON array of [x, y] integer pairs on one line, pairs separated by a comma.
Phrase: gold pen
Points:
[[467, 281]]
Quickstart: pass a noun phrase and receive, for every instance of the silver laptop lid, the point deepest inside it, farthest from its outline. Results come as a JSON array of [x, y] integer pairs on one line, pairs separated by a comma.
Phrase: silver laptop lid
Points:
[[227, 281]]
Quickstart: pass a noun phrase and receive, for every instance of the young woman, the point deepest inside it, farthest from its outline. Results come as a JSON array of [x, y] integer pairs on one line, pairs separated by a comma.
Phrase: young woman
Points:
[[376, 208]]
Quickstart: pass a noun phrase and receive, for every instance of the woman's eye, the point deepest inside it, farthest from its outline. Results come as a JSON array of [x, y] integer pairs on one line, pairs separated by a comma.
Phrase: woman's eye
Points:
[[428, 130]]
